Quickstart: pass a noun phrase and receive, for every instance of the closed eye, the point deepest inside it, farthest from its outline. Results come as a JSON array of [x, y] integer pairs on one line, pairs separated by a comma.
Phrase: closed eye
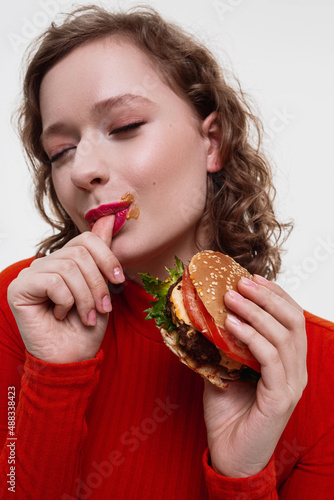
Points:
[[126, 128], [60, 154]]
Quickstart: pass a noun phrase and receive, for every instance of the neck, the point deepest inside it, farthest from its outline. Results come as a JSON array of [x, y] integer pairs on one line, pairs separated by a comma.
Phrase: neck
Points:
[[156, 265]]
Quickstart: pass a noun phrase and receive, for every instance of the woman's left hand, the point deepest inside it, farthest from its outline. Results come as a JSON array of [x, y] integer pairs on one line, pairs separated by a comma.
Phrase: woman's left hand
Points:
[[245, 421]]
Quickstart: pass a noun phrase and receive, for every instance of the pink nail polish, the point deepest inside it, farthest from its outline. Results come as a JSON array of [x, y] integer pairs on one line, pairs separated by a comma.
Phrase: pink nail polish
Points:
[[249, 283], [106, 304], [261, 279], [91, 318], [234, 320], [235, 296], [118, 275]]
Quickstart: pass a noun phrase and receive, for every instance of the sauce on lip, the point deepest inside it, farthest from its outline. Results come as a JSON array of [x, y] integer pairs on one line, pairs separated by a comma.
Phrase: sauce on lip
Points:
[[134, 210]]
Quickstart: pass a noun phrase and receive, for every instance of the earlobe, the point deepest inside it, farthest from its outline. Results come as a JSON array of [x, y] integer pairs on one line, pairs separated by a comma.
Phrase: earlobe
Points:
[[212, 133]]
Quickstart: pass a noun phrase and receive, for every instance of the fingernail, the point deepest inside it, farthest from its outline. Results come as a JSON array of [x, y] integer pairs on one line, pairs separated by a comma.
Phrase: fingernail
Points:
[[118, 275], [106, 304], [249, 283], [234, 320], [235, 295], [261, 279], [91, 318]]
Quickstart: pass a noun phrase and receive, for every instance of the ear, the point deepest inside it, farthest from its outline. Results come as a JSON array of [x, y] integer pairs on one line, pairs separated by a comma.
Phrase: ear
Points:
[[211, 131]]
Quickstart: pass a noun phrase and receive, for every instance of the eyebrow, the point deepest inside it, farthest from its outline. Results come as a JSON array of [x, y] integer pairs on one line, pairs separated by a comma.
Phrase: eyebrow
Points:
[[119, 100], [98, 108]]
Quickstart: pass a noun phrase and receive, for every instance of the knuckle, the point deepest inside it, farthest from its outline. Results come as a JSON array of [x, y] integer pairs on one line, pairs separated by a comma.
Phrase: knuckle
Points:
[[55, 280], [273, 356], [252, 335], [85, 237], [22, 274], [11, 289], [299, 320], [68, 266], [67, 300], [299, 394], [86, 302], [79, 252], [97, 283], [33, 264], [255, 316], [284, 339], [269, 298]]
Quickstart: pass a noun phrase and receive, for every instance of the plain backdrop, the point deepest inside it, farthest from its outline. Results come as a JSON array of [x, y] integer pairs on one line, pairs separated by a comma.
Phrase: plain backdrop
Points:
[[282, 53]]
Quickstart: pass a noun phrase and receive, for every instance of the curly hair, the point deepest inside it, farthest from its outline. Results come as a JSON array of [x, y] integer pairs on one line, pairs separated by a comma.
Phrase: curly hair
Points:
[[239, 216]]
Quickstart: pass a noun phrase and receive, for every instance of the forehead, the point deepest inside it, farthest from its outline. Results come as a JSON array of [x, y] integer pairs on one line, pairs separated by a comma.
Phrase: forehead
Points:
[[98, 68], [99, 72]]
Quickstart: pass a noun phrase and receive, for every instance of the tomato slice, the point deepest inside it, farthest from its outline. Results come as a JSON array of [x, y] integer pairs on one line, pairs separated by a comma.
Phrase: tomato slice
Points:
[[204, 322]]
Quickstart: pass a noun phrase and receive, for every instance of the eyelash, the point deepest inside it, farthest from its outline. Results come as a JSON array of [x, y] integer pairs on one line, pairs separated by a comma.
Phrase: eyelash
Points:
[[61, 153], [120, 130], [125, 128]]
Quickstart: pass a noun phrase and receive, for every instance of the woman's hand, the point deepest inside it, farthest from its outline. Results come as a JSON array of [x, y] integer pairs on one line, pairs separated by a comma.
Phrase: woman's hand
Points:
[[244, 421], [61, 302]]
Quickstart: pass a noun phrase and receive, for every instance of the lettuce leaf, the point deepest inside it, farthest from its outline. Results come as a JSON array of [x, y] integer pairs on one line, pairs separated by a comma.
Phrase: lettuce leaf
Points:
[[159, 289]]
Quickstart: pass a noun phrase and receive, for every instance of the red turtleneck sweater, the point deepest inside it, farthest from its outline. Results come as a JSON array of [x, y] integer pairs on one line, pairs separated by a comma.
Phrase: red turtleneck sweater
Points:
[[129, 423]]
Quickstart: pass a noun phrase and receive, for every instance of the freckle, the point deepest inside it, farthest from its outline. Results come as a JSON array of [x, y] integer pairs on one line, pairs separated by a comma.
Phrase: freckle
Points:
[[154, 183]]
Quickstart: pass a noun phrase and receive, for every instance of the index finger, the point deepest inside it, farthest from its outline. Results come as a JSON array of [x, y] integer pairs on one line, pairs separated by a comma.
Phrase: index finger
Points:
[[103, 228], [274, 287], [99, 248]]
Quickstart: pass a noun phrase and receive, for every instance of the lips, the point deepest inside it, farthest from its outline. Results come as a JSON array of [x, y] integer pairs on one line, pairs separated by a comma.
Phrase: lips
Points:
[[120, 210]]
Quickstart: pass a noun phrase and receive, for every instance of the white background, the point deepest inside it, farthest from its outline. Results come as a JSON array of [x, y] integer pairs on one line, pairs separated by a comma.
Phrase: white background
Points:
[[282, 52]]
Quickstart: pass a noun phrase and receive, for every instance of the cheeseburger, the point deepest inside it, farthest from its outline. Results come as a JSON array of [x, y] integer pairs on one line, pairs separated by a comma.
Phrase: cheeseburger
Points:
[[190, 312]]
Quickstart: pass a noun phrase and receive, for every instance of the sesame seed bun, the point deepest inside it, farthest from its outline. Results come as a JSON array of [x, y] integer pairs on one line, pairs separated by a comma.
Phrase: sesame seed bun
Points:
[[213, 274]]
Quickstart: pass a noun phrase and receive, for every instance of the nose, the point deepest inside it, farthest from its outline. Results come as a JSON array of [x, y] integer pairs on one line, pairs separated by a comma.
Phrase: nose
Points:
[[89, 167]]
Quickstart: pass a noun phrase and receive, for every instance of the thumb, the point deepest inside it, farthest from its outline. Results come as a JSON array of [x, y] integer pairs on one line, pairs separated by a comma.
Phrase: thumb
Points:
[[103, 228]]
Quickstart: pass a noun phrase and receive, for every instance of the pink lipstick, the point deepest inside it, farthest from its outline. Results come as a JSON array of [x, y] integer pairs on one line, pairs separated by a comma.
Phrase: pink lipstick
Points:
[[122, 211]]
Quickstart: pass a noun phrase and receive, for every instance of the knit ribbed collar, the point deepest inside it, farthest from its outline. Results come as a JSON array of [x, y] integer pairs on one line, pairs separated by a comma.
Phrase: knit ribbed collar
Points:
[[131, 300]]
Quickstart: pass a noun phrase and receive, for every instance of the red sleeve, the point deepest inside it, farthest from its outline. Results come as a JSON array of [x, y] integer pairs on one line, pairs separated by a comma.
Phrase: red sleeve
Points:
[[262, 486], [313, 474], [44, 447], [303, 464]]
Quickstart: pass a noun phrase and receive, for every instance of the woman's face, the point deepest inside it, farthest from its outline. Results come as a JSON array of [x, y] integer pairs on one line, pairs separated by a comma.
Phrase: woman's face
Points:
[[114, 127]]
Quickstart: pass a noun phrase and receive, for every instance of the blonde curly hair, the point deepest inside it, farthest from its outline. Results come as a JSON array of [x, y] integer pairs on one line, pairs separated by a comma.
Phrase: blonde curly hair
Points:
[[239, 215]]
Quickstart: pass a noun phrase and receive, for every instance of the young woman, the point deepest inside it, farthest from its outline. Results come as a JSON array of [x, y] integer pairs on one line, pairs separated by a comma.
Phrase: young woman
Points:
[[144, 152]]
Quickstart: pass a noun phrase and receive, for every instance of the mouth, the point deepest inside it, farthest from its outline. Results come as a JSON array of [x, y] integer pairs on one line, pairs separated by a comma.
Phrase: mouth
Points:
[[119, 209]]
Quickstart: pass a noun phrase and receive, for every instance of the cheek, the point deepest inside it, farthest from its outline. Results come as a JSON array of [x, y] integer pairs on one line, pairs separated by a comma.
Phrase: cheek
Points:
[[174, 160], [171, 181], [62, 185]]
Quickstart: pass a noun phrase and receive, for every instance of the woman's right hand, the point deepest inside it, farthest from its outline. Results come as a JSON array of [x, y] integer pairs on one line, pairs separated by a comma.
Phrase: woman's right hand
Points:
[[61, 302]]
